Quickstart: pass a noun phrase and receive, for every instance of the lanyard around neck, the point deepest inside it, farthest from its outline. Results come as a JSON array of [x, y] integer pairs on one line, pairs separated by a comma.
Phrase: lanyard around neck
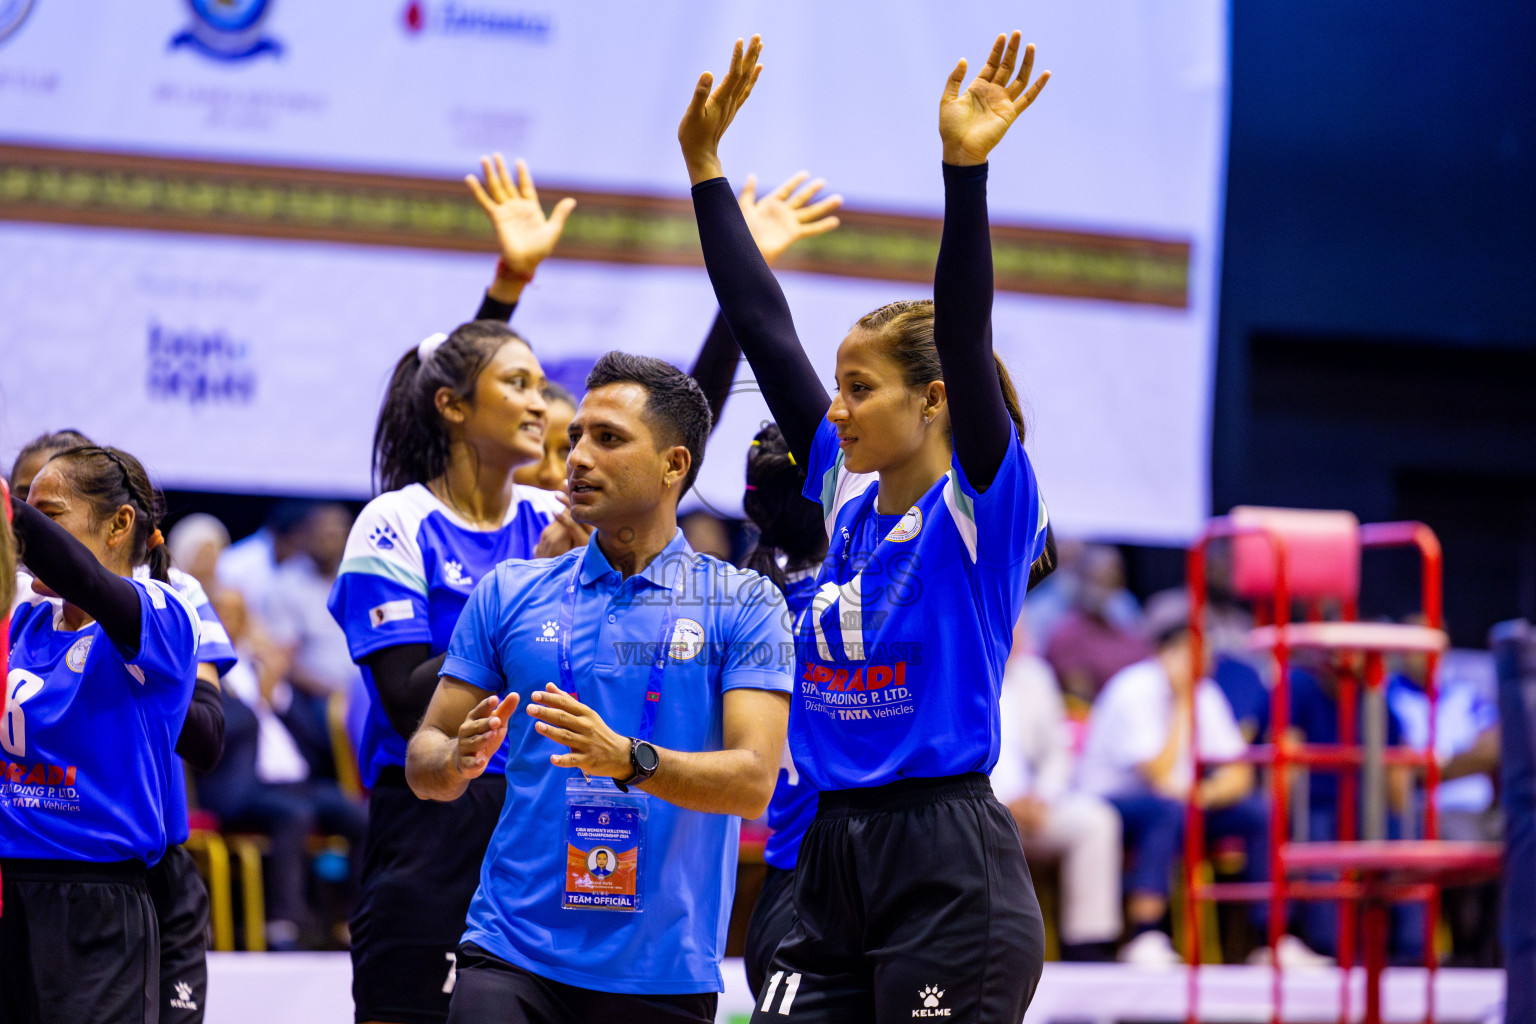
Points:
[[658, 665]]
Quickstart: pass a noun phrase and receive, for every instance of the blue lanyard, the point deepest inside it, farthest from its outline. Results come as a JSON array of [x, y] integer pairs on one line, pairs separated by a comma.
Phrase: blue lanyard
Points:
[[663, 644]]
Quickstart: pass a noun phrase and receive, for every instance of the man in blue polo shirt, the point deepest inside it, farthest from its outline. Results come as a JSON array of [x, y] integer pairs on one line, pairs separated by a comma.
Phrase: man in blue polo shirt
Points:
[[660, 693]]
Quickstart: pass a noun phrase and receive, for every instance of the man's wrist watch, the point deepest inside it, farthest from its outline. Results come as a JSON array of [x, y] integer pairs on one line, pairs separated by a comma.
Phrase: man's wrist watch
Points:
[[643, 760]]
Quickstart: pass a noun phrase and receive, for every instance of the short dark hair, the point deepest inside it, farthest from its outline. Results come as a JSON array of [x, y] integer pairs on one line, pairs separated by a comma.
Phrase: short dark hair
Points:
[[675, 405]]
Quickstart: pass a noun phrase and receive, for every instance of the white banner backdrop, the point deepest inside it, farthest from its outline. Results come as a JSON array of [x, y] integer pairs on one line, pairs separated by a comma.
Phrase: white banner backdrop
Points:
[[257, 365]]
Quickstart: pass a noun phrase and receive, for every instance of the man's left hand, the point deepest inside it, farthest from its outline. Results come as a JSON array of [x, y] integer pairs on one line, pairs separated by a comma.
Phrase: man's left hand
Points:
[[595, 748]]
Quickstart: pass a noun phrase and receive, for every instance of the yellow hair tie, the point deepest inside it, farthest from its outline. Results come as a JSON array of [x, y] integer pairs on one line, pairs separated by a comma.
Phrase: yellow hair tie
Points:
[[792, 461]]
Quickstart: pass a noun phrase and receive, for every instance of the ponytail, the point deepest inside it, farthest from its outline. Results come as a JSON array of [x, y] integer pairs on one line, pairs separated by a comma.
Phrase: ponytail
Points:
[[109, 478], [907, 328], [410, 440], [790, 528]]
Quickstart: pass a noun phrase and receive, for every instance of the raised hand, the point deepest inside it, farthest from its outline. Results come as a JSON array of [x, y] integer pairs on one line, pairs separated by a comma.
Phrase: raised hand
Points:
[[523, 234], [481, 734], [709, 114], [974, 121], [784, 216]]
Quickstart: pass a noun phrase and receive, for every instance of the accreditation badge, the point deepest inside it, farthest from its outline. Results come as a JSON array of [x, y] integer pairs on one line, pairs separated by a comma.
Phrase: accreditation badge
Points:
[[605, 846]]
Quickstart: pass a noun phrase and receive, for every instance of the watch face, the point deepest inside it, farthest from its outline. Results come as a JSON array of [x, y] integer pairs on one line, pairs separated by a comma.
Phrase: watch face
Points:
[[646, 758]]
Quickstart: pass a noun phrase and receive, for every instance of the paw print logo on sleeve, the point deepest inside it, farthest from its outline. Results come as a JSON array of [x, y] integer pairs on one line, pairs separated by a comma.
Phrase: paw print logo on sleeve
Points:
[[383, 537]]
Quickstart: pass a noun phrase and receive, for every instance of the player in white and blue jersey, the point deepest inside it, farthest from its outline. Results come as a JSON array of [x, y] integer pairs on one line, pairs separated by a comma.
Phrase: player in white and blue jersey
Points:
[[101, 675], [461, 414], [656, 679], [934, 519]]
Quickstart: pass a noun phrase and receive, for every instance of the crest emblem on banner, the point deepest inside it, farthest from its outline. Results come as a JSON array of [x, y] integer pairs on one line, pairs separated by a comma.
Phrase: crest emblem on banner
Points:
[[227, 29], [12, 14]]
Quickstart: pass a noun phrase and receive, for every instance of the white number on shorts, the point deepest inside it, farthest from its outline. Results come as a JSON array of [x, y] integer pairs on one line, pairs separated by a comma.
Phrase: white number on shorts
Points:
[[24, 686], [791, 986], [453, 972]]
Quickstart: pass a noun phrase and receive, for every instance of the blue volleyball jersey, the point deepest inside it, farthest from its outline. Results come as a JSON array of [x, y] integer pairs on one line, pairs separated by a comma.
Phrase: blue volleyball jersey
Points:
[[409, 567], [901, 653], [793, 806], [89, 736], [727, 633]]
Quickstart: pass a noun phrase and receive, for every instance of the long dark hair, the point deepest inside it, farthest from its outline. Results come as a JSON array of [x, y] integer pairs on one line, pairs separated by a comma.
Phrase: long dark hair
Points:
[[109, 478], [907, 329], [788, 525], [410, 440]]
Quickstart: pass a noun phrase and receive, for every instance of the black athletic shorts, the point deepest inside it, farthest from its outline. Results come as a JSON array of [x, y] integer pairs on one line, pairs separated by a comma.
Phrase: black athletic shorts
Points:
[[772, 918], [78, 944], [421, 865], [492, 991], [181, 907], [912, 901]]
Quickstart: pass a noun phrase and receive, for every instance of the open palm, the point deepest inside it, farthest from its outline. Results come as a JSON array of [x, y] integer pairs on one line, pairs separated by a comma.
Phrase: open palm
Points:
[[524, 235], [712, 109], [972, 122], [784, 216]]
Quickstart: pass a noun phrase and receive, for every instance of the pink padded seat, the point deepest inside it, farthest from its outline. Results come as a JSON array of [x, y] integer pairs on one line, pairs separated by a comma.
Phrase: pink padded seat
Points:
[[1322, 553]]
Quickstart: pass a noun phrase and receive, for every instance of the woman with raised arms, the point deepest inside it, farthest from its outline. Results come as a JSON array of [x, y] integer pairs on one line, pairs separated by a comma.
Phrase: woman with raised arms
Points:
[[911, 891]]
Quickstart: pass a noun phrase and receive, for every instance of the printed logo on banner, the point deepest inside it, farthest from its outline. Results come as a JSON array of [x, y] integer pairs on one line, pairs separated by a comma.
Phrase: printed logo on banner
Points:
[[199, 367], [456, 19], [228, 29], [12, 14]]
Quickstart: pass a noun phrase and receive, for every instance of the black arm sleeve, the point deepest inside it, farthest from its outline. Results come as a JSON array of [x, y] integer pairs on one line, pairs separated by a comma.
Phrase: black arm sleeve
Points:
[[715, 368], [962, 328], [753, 305], [202, 735], [405, 677], [72, 572], [494, 309]]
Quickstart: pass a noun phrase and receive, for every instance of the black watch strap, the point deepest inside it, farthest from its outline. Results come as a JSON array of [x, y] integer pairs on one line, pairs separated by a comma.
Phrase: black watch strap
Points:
[[639, 772]]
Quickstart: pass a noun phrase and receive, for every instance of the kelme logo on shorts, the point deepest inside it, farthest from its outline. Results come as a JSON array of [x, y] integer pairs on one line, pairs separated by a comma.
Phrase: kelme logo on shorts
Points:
[[930, 996]]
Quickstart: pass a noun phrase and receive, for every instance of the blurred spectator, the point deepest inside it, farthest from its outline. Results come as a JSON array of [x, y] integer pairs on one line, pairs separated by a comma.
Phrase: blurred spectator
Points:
[[264, 784], [1049, 601], [1033, 776], [707, 534], [1137, 755], [196, 542], [1228, 622], [300, 623], [250, 565], [1089, 645], [1467, 747]]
